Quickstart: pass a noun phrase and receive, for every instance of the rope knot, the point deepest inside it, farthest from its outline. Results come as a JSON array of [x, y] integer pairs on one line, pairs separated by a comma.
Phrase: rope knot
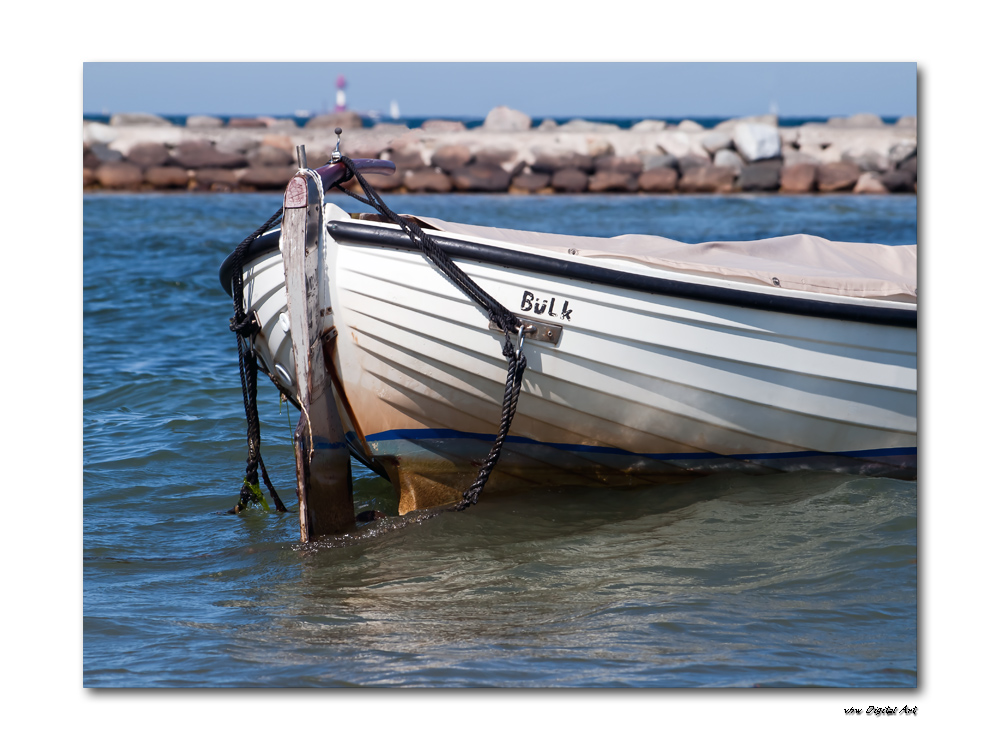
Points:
[[246, 326], [508, 348]]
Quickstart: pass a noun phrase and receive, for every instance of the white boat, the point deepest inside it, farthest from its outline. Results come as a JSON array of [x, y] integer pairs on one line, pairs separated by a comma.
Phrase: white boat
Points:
[[650, 361]]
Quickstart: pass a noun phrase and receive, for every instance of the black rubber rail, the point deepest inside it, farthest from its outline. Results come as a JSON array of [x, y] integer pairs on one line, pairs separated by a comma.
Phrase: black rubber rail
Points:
[[263, 245]]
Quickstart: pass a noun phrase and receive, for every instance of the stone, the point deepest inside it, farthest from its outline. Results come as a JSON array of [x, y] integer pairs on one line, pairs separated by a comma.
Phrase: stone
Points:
[[909, 121], [548, 124], [408, 141], [317, 157], [406, 159], [586, 126], [216, 180], [792, 156], [864, 120], [690, 162], [910, 165], [789, 137], [166, 178], [552, 161], [658, 180], [861, 120], [868, 184], [89, 177], [569, 180], [269, 156], [119, 175], [90, 160], [598, 147], [427, 180], [839, 175], [148, 154], [279, 140], [708, 179], [203, 155], [389, 129], [505, 119], [98, 132], [204, 121], [658, 161], [268, 177], [280, 124], [530, 182], [681, 144], [715, 140], [345, 120], [236, 141], [360, 151], [648, 126], [442, 126], [868, 159], [137, 118], [821, 154], [385, 181], [798, 178], [246, 122], [760, 176], [513, 168], [726, 158], [902, 151], [756, 141], [451, 157], [623, 164], [690, 126], [604, 181], [483, 178], [494, 156], [899, 181], [768, 119], [105, 154]]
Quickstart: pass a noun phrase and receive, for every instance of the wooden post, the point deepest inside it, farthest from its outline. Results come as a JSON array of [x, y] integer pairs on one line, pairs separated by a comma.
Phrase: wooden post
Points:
[[322, 459]]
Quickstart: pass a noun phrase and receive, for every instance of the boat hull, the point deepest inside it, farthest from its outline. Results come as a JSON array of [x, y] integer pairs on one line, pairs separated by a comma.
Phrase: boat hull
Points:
[[641, 388]]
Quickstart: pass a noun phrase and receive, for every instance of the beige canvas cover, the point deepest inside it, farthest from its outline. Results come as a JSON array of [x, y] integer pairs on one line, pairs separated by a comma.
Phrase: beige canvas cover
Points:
[[800, 261]]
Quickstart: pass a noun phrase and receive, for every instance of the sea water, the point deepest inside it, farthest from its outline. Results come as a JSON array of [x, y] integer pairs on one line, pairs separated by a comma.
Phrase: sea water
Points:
[[784, 580]]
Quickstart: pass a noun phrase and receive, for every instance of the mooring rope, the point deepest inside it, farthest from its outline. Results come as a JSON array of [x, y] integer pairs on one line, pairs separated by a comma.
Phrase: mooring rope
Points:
[[497, 313], [245, 327]]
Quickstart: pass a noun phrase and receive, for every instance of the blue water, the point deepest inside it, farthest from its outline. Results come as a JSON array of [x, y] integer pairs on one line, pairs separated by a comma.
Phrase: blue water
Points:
[[723, 582]]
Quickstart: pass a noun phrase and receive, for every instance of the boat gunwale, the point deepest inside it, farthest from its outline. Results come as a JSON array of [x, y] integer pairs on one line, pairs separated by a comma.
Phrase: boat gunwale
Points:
[[765, 299]]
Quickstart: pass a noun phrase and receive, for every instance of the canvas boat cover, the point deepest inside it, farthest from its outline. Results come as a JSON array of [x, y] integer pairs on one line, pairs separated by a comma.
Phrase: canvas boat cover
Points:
[[800, 261]]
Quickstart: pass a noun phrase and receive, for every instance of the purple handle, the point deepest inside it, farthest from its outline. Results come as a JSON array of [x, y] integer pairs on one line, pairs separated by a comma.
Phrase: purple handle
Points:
[[331, 173]]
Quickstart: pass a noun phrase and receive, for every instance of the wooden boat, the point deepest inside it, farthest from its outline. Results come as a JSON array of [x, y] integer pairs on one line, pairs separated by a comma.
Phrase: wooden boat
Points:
[[648, 360]]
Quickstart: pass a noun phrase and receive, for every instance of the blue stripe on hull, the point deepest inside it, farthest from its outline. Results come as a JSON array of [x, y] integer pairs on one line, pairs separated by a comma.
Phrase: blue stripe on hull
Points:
[[421, 435], [426, 444]]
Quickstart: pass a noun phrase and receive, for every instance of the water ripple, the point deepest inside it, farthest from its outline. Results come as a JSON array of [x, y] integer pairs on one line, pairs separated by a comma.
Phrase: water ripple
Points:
[[772, 581]]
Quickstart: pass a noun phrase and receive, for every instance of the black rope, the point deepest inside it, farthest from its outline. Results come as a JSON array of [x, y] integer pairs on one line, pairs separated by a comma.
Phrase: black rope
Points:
[[515, 370], [245, 327], [498, 314]]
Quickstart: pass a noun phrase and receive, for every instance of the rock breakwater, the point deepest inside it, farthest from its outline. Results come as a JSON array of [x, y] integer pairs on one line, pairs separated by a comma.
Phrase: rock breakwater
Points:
[[860, 154]]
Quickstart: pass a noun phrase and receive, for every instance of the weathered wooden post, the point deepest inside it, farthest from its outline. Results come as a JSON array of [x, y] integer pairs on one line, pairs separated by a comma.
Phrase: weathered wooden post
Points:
[[322, 459]]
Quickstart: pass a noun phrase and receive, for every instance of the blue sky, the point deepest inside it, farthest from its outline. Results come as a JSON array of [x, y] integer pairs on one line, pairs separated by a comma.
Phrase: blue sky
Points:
[[449, 89]]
